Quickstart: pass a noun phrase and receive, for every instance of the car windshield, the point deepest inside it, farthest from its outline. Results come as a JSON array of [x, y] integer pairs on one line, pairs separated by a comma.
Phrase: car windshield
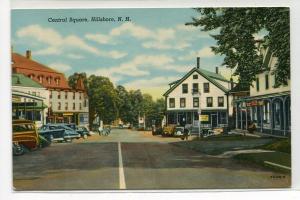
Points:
[[23, 127]]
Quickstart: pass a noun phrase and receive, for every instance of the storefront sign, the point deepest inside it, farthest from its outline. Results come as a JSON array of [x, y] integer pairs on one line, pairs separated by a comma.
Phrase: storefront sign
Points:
[[204, 118], [255, 103], [67, 114], [16, 99]]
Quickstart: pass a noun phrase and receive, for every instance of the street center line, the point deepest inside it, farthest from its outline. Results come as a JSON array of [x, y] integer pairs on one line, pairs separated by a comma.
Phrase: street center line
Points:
[[121, 169]]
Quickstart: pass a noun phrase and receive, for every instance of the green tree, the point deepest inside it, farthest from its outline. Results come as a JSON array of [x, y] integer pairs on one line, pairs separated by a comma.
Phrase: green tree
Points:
[[236, 29], [102, 99], [72, 80]]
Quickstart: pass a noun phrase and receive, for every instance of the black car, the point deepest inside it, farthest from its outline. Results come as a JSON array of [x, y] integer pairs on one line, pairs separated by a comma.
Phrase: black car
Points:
[[57, 132], [83, 131]]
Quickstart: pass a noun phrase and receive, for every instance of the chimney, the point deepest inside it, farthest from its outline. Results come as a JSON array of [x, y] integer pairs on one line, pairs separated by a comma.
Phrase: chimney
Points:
[[217, 70], [198, 62], [28, 54]]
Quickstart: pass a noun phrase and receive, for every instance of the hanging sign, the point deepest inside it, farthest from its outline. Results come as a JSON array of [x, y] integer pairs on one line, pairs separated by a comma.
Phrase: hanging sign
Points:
[[204, 118]]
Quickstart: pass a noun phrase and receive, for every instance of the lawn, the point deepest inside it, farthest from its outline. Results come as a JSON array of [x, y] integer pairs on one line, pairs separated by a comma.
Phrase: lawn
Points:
[[220, 144], [260, 158]]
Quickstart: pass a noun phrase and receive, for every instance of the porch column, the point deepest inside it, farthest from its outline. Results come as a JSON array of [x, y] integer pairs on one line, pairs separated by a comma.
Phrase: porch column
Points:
[[176, 117], [236, 116], [241, 118], [246, 118], [271, 115], [261, 119], [284, 117]]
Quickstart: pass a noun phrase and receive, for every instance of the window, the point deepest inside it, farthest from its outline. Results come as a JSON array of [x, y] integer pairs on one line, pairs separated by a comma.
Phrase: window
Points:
[[257, 84], [209, 102], [206, 87], [66, 95], [59, 106], [195, 76], [73, 95], [172, 102], [221, 101], [66, 106], [184, 88], [80, 95], [58, 95], [40, 79], [34, 93], [80, 106], [195, 88], [182, 102], [50, 94], [48, 80], [267, 81], [85, 103], [74, 107], [196, 102]]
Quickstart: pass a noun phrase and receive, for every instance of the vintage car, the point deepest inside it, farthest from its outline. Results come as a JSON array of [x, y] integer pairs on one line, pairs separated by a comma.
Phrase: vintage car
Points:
[[58, 132], [83, 131], [25, 136], [168, 130]]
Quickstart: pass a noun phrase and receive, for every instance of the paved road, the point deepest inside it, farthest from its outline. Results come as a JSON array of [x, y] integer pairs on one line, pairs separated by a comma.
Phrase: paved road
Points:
[[133, 160]]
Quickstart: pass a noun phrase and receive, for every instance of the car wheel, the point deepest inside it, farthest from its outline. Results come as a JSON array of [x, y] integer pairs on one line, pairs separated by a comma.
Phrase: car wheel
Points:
[[18, 150], [85, 136], [68, 140]]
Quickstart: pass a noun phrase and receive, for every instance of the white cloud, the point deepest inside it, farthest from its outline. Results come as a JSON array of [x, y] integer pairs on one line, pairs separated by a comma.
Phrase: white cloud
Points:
[[138, 66], [57, 43], [75, 56], [101, 38], [206, 52], [163, 45], [133, 30], [161, 81], [61, 67]]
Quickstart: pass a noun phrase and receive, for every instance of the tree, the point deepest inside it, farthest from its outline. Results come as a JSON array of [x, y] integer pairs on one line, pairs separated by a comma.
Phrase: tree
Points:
[[72, 80], [123, 104], [102, 99], [236, 40]]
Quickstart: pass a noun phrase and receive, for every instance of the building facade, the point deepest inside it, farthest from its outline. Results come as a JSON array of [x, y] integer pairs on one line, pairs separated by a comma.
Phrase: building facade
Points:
[[30, 99], [199, 92], [267, 106], [65, 103]]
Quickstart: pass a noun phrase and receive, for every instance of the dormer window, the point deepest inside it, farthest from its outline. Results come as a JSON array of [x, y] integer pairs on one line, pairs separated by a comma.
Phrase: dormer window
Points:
[[48, 80], [40, 79], [57, 81]]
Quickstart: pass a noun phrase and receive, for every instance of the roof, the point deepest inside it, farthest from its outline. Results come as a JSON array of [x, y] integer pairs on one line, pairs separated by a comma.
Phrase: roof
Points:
[[28, 66], [79, 84], [210, 76], [24, 81], [240, 88]]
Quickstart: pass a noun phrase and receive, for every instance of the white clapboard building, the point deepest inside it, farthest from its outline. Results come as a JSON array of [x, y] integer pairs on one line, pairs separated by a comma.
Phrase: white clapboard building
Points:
[[199, 92]]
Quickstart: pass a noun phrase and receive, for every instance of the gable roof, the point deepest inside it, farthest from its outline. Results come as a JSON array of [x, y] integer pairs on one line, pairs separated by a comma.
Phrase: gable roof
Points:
[[27, 66], [22, 80], [210, 76]]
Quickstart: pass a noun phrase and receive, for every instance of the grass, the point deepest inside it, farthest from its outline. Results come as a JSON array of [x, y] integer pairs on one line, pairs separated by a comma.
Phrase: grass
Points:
[[259, 159], [281, 145]]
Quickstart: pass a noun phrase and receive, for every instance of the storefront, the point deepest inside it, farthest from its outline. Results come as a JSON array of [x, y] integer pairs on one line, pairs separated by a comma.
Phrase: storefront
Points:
[[271, 114], [209, 118]]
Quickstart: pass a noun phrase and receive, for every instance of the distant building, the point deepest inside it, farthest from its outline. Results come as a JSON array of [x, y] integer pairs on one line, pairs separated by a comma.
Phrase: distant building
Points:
[[65, 104], [267, 106], [199, 91], [29, 99]]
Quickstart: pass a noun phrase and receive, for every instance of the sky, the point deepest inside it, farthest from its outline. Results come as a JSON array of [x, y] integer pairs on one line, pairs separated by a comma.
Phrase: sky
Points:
[[151, 50]]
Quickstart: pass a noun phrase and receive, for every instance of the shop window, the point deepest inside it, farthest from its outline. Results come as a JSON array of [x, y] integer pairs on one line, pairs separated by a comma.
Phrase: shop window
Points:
[[184, 88], [206, 87], [196, 102], [182, 102], [221, 101], [172, 102], [222, 118], [209, 102], [254, 114], [277, 114]]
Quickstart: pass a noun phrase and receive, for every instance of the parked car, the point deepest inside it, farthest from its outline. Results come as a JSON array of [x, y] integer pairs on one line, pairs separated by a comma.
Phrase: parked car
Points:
[[83, 131], [58, 132], [25, 136]]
